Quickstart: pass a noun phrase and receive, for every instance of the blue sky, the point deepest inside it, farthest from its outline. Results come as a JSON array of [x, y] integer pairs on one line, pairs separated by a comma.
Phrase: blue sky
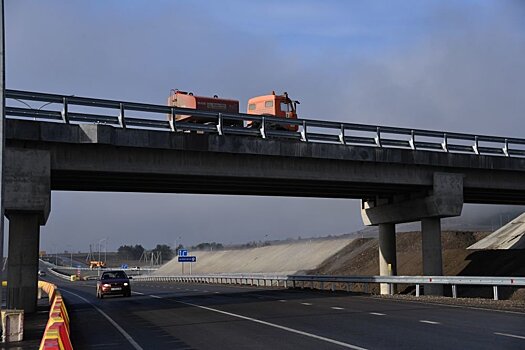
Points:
[[445, 65]]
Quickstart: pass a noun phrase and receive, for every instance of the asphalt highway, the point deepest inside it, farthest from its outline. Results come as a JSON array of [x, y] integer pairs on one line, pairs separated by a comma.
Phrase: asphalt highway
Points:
[[197, 316]]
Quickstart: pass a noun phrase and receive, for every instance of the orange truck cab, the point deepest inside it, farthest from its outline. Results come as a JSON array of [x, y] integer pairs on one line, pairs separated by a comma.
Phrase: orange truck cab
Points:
[[205, 104], [280, 106]]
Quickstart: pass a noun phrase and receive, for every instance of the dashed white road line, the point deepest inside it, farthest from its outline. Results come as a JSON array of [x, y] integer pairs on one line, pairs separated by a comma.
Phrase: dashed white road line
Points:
[[307, 304], [115, 324], [291, 330], [510, 335], [377, 314], [155, 296], [139, 293], [282, 301], [337, 308], [429, 322]]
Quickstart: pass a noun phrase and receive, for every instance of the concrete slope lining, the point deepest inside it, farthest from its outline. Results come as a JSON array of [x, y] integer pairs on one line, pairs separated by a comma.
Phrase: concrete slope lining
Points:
[[510, 236], [280, 259]]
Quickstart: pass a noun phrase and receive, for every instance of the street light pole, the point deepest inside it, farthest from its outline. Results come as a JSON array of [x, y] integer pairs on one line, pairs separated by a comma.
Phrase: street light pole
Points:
[[2, 141]]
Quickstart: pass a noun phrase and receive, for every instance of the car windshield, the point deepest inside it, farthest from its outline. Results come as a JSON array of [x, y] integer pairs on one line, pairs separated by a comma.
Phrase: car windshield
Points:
[[114, 275]]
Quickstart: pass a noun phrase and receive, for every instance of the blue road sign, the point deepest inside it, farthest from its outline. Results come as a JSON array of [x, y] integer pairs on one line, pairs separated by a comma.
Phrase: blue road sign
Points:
[[183, 252], [124, 266], [187, 258]]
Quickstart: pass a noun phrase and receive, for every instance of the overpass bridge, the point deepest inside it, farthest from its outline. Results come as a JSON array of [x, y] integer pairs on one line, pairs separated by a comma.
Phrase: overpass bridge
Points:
[[60, 142]]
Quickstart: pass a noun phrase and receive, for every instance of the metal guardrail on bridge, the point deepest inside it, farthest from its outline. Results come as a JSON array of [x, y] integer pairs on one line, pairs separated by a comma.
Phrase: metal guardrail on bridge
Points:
[[115, 113], [303, 281]]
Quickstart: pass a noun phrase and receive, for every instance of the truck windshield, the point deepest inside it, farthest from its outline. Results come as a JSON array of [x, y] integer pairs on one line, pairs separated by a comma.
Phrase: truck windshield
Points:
[[285, 107]]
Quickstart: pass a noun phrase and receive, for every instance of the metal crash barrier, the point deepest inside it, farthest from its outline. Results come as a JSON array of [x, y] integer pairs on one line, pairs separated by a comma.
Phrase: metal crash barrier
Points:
[[321, 282], [74, 109]]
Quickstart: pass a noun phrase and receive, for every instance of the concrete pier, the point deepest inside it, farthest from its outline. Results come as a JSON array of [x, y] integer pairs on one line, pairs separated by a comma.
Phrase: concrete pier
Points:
[[387, 254], [27, 203], [22, 277], [431, 247]]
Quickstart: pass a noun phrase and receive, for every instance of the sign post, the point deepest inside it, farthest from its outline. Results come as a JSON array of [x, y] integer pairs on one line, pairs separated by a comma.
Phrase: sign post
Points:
[[186, 258], [182, 253]]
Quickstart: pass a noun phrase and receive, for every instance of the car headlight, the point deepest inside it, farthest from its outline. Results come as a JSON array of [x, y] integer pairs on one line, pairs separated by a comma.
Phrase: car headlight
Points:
[[125, 284], [106, 285]]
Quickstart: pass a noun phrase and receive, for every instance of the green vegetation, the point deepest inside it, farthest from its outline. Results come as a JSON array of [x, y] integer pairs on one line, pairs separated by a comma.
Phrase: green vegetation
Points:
[[130, 252], [208, 246]]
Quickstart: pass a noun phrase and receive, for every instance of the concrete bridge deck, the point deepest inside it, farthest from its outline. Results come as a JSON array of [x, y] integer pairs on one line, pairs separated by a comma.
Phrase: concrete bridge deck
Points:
[[94, 157]]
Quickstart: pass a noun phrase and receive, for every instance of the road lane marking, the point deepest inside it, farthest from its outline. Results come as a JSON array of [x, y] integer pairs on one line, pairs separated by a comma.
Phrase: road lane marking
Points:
[[139, 293], [155, 296], [115, 324], [291, 330], [337, 308], [429, 322], [282, 301], [510, 335], [377, 314], [307, 304]]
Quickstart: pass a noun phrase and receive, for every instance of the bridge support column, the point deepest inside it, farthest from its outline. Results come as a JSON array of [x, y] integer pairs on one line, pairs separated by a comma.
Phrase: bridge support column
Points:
[[22, 277], [445, 199], [27, 205], [432, 255], [387, 254]]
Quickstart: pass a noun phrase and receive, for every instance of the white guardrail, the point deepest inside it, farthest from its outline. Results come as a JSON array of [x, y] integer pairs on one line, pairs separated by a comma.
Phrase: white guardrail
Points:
[[58, 274], [74, 109], [302, 281]]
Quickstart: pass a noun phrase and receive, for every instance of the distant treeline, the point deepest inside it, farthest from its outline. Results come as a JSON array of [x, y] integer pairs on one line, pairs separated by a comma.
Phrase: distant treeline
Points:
[[130, 252]]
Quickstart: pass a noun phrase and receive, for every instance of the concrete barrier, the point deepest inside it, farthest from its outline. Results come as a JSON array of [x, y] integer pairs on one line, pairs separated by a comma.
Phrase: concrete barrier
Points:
[[56, 334]]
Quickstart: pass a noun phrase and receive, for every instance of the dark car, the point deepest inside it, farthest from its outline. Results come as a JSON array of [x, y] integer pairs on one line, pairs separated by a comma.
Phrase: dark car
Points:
[[113, 283]]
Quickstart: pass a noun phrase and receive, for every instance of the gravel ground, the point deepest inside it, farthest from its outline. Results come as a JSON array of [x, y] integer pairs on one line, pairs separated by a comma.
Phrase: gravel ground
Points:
[[506, 305]]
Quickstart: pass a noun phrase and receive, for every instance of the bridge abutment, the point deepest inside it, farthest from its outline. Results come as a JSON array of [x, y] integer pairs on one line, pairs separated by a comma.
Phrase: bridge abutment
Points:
[[444, 200]]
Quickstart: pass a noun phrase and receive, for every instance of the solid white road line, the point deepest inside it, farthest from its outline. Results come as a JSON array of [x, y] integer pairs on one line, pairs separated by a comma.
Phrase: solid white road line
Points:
[[337, 308], [510, 335], [377, 314], [429, 322], [291, 330], [115, 324]]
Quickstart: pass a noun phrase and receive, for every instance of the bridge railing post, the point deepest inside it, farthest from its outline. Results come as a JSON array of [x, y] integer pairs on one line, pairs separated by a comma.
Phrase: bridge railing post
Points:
[[121, 117], [219, 124], [65, 114]]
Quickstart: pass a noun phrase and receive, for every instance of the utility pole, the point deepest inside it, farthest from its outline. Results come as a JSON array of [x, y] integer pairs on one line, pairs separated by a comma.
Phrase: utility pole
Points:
[[2, 140]]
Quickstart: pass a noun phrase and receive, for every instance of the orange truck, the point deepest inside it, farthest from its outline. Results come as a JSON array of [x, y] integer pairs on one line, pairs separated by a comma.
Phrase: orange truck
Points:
[[94, 264], [280, 106]]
